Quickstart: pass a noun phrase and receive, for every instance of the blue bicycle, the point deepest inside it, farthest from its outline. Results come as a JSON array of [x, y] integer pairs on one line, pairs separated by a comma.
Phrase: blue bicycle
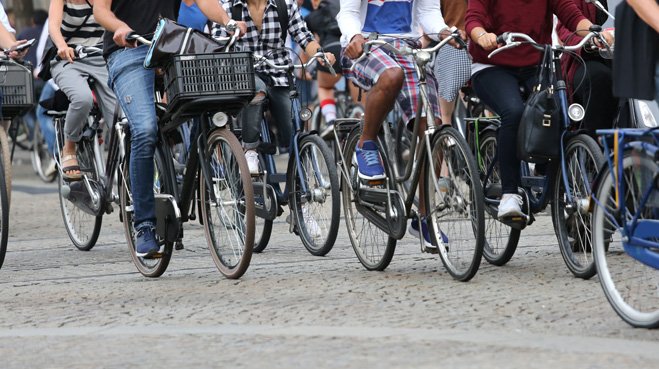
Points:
[[626, 224]]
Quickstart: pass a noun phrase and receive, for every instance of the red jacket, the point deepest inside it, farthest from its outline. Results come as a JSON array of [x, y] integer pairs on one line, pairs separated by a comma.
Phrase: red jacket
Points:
[[533, 17], [569, 63]]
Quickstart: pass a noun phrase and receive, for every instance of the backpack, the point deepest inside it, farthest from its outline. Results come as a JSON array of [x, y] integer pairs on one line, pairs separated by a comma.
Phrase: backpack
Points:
[[282, 14]]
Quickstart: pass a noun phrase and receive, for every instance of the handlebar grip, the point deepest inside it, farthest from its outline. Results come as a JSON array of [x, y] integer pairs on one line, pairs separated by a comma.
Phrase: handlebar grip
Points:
[[461, 42], [501, 39], [132, 36]]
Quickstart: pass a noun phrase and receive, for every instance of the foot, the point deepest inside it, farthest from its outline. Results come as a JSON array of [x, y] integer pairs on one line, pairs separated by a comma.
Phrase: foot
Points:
[[510, 206], [145, 243], [51, 168], [252, 162], [369, 161], [70, 167]]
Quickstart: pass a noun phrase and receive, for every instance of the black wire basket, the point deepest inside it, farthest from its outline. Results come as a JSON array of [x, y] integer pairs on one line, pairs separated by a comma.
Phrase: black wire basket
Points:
[[222, 81], [17, 89]]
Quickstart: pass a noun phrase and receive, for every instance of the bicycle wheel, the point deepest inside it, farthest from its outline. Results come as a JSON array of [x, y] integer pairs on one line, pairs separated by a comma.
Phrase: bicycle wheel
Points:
[[454, 202], [262, 227], [500, 240], [629, 285], [5, 150], [572, 221], [82, 226], [374, 248], [147, 267], [4, 215], [317, 211], [41, 157], [22, 138], [228, 220]]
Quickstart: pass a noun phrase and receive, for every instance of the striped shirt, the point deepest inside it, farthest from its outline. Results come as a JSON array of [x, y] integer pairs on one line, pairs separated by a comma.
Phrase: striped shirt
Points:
[[74, 15]]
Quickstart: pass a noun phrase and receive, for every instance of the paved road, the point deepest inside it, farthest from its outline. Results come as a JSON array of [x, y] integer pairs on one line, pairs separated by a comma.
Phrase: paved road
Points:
[[64, 308]]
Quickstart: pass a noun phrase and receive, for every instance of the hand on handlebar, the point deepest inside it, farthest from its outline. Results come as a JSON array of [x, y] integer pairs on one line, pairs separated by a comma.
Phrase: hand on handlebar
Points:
[[121, 37], [608, 37], [66, 53], [488, 41], [447, 32], [355, 47]]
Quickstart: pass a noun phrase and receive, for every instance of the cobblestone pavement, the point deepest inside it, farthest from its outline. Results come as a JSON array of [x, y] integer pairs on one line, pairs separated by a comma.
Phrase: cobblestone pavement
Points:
[[65, 308]]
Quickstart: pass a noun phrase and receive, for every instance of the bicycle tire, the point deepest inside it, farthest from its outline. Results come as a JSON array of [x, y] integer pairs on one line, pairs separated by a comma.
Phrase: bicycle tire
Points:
[[303, 210], [620, 274], [583, 151], [495, 251], [22, 134], [151, 268], [462, 256], [238, 190], [40, 156], [262, 227], [376, 249], [4, 214], [5, 150], [83, 228]]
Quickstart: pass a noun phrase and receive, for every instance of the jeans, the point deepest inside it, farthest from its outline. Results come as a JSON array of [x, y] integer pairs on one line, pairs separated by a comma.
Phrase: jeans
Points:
[[656, 83], [498, 88], [279, 104], [596, 95], [134, 87], [45, 121]]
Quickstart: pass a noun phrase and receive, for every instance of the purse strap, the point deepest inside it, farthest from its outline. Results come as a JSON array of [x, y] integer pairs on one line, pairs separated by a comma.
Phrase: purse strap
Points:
[[545, 67], [84, 22]]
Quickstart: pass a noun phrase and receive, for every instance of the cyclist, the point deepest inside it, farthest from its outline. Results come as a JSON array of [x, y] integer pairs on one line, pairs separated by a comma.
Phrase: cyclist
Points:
[[590, 82], [264, 37], [134, 87], [497, 81], [72, 24], [388, 77]]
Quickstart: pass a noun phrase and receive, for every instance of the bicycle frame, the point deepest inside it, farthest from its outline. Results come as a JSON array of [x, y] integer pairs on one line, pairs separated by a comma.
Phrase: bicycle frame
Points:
[[631, 240]]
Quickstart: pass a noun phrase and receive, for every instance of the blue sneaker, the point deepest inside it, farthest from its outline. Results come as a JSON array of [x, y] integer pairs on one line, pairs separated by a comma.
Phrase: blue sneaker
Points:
[[414, 231], [145, 243], [369, 161]]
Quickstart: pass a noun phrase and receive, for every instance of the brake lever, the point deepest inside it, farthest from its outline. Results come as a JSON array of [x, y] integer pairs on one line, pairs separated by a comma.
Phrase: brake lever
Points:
[[508, 46]]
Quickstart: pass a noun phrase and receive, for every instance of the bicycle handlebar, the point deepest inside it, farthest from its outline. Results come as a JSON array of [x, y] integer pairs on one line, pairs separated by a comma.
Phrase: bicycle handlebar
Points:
[[406, 50], [259, 59], [507, 39]]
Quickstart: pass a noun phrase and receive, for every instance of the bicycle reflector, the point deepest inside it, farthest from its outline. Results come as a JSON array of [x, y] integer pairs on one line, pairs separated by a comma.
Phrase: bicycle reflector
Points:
[[576, 112]]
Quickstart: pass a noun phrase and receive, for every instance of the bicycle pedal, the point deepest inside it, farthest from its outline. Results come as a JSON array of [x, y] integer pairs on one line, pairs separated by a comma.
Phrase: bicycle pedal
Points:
[[518, 222], [374, 182], [430, 250]]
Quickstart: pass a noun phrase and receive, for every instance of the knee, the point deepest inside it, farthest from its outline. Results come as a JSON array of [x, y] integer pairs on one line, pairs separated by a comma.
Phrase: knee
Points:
[[511, 115], [258, 99], [391, 80], [81, 101], [143, 136]]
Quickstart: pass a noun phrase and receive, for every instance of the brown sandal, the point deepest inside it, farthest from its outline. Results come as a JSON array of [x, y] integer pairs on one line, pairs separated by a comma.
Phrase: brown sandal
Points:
[[73, 166]]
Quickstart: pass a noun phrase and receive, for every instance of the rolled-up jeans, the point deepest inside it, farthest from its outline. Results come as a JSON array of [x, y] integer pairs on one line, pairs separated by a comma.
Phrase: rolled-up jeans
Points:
[[46, 121], [134, 87]]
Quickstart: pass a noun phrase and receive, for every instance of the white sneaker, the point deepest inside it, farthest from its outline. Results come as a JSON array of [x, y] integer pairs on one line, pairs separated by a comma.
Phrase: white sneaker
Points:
[[310, 223], [510, 205], [51, 168], [252, 162]]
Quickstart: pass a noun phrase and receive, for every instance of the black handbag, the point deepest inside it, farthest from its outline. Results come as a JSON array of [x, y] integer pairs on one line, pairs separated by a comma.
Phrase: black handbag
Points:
[[171, 38], [539, 134]]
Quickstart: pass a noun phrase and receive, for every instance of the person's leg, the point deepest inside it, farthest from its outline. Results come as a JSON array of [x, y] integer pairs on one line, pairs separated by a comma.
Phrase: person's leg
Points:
[[595, 93], [69, 77], [280, 110], [46, 122], [104, 94], [251, 117], [498, 88], [134, 87], [656, 82], [326, 84]]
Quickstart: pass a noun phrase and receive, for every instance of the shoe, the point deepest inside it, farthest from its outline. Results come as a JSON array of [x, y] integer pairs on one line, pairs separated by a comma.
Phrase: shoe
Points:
[[252, 162], [145, 243], [414, 231], [369, 161], [310, 224], [51, 168], [444, 184], [510, 206]]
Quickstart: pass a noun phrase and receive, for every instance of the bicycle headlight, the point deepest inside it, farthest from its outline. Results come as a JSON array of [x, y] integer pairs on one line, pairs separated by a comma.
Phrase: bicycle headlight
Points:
[[576, 112], [220, 119], [305, 114]]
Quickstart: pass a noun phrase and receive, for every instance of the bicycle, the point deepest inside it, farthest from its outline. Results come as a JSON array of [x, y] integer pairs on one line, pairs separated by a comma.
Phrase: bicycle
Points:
[[566, 183], [16, 90], [215, 177], [376, 212], [311, 188], [626, 224]]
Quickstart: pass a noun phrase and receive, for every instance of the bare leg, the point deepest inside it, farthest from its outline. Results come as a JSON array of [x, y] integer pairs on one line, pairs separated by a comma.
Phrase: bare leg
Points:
[[381, 99]]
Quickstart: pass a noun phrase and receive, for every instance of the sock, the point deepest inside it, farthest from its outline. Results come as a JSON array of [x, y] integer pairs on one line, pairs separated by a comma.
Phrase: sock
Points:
[[328, 108]]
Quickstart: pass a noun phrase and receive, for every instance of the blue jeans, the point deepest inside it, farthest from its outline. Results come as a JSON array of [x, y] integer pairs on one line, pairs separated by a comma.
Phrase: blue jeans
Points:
[[45, 121], [656, 83], [498, 88], [134, 87]]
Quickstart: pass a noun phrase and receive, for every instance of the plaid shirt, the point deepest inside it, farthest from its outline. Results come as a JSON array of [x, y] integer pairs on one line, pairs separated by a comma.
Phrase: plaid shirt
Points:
[[269, 43]]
